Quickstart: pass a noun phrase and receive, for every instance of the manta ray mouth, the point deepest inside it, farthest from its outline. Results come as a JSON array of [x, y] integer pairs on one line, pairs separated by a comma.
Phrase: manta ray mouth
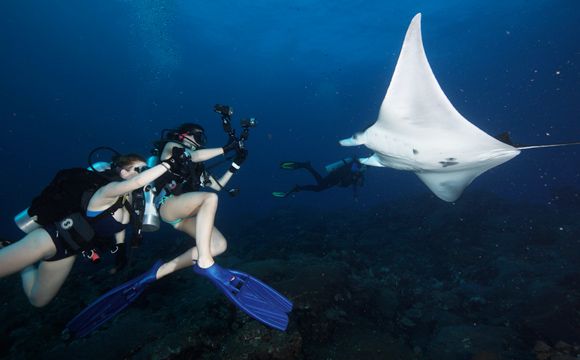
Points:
[[448, 162]]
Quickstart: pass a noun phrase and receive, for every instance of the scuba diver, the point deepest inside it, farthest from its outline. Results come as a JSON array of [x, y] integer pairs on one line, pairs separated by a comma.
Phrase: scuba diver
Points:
[[343, 173], [182, 205], [45, 256]]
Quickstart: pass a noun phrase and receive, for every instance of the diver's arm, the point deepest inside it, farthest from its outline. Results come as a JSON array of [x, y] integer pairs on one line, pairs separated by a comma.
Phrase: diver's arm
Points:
[[236, 164], [217, 185], [206, 154], [200, 155], [109, 193]]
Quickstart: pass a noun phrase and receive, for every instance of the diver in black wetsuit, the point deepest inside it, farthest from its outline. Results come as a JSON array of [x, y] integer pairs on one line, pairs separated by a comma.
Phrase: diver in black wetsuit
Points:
[[344, 173]]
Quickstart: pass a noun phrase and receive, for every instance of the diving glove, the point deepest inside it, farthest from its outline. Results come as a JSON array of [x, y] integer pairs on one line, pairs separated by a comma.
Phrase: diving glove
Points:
[[233, 144], [239, 160]]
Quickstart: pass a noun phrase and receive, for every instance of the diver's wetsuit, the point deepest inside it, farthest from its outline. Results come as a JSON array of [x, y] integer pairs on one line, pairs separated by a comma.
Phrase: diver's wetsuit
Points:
[[103, 223], [345, 176]]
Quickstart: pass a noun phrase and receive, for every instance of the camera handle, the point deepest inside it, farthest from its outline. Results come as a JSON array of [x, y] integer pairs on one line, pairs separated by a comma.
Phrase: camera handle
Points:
[[226, 113]]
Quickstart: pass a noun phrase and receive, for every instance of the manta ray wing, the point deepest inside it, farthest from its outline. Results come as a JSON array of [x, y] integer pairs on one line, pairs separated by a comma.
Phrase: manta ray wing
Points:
[[419, 130]]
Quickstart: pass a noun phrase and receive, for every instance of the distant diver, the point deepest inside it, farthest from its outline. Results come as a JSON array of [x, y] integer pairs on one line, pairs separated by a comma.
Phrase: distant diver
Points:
[[343, 173], [187, 209]]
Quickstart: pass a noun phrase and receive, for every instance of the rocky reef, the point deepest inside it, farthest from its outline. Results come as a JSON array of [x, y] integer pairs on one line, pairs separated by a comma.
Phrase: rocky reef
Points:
[[483, 278]]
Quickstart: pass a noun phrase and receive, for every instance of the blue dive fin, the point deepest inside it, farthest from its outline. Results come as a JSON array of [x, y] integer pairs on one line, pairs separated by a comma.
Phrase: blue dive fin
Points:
[[250, 294], [110, 304], [265, 292]]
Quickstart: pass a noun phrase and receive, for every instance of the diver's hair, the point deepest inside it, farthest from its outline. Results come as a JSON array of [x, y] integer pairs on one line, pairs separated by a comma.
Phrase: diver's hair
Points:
[[189, 127], [174, 135], [119, 162]]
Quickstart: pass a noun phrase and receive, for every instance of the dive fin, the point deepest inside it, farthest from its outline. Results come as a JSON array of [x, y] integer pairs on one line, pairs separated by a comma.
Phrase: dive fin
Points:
[[110, 304], [293, 165], [252, 296]]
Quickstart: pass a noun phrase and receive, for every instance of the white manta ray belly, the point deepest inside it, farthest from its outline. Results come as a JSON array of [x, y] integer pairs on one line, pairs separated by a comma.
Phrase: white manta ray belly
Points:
[[419, 130]]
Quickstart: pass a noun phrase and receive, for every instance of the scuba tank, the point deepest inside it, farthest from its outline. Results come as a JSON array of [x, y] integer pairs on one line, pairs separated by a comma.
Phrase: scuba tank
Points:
[[152, 161], [100, 166], [336, 165], [25, 222], [144, 206], [28, 223], [151, 221]]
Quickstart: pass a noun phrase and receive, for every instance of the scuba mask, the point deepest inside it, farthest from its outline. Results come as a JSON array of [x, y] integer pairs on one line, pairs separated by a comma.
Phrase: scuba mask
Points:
[[198, 136]]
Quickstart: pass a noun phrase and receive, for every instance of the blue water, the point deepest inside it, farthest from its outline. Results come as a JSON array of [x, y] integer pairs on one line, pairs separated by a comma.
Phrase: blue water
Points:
[[75, 75]]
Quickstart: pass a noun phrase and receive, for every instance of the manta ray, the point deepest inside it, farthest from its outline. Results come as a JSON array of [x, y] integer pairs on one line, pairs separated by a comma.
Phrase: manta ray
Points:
[[419, 130]]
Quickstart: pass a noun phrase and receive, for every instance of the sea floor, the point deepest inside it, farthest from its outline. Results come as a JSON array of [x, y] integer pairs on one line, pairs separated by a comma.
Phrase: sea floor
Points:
[[481, 279]]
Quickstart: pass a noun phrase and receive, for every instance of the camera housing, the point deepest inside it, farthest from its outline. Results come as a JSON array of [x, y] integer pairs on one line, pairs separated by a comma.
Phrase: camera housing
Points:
[[248, 123], [223, 110]]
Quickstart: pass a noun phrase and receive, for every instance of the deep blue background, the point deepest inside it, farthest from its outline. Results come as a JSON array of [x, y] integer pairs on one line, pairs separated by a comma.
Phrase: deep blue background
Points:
[[78, 74]]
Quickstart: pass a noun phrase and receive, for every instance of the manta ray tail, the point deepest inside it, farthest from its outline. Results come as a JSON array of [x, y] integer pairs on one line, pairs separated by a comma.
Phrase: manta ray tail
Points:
[[505, 138], [525, 147]]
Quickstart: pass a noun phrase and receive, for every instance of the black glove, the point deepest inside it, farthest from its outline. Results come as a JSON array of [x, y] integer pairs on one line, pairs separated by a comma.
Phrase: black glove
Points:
[[233, 144], [178, 160], [239, 160]]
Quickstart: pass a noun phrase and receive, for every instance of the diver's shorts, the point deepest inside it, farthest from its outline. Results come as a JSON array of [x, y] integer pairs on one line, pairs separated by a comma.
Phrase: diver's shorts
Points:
[[62, 251], [159, 201]]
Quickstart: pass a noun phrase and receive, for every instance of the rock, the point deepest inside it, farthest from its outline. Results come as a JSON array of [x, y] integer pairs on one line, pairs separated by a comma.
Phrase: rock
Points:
[[563, 346], [254, 341], [406, 322], [563, 357], [461, 341], [542, 347], [486, 355]]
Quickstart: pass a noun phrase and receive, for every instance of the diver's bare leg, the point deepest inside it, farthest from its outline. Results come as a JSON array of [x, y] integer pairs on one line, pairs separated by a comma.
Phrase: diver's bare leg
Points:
[[29, 250], [42, 283], [218, 246], [203, 206]]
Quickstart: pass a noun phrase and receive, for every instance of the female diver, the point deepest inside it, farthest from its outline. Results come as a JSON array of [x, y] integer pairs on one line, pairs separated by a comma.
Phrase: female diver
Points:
[[189, 210], [43, 257]]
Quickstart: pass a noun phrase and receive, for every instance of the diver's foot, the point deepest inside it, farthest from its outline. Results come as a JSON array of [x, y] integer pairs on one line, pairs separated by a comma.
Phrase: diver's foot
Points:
[[282, 194], [204, 264]]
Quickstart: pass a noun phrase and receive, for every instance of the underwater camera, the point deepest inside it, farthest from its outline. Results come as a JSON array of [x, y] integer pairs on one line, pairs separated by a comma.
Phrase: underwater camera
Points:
[[248, 123], [223, 110], [226, 113]]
